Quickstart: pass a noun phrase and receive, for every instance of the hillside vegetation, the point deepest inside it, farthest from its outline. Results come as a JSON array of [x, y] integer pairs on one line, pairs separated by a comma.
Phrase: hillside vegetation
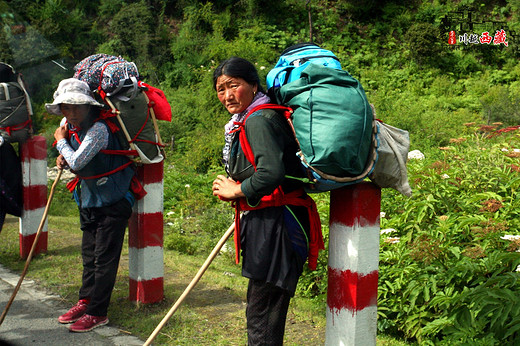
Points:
[[448, 260]]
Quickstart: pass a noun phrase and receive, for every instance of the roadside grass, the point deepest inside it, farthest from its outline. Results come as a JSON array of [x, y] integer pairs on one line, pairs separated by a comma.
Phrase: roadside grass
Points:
[[212, 314]]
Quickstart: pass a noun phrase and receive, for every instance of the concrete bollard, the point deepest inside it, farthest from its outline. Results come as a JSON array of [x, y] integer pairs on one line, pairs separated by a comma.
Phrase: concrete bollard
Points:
[[353, 265], [33, 154], [145, 238]]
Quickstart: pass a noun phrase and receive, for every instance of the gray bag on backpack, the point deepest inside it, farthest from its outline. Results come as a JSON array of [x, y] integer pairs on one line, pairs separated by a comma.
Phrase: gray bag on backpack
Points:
[[392, 154], [15, 107]]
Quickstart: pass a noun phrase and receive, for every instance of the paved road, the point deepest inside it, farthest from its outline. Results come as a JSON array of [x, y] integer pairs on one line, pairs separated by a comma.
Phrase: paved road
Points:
[[32, 319]]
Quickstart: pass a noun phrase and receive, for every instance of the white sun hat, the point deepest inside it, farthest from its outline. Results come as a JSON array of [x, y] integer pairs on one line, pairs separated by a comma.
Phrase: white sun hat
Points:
[[71, 91]]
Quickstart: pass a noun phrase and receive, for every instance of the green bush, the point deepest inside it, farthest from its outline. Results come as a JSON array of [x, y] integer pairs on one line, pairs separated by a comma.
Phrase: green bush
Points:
[[499, 105], [424, 42], [451, 272]]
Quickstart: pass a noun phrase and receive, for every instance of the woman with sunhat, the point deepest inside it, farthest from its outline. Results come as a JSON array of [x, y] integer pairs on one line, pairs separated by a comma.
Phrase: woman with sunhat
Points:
[[101, 190]]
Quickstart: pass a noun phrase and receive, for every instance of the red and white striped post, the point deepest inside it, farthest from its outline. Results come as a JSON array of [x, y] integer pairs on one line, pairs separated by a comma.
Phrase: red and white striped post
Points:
[[33, 154], [145, 238], [353, 265]]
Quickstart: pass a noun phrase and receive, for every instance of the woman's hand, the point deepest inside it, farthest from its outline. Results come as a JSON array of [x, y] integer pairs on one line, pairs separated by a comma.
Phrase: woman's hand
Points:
[[226, 188], [60, 162], [61, 132]]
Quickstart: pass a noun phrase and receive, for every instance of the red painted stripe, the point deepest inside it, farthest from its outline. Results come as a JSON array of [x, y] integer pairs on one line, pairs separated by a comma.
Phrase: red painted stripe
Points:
[[358, 204], [26, 243], [34, 197], [349, 290], [151, 173], [148, 291], [145, 230], [34, 148]]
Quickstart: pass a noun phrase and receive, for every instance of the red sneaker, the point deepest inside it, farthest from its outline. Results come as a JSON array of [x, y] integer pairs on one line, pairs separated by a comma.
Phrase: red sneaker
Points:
[[75, 312], [88, 322]]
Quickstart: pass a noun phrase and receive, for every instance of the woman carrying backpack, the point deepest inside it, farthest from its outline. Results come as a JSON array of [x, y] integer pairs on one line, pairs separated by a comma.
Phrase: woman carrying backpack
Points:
[[280, 226], [101, 190]]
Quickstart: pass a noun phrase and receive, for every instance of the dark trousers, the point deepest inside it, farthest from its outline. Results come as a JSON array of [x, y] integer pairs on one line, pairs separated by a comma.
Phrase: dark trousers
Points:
[[103, 235], [266, 312]]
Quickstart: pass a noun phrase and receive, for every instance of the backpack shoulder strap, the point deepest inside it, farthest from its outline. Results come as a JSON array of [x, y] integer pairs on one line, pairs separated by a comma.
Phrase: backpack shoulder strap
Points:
[[287, 110], [244, 143]]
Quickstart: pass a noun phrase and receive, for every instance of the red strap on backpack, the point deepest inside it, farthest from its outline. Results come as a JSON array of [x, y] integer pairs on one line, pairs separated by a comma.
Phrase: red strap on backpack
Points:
[[244, 143], [13, 128], [278, 197]]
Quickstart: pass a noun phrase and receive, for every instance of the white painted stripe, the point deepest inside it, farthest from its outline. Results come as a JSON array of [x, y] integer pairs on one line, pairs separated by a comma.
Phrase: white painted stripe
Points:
[[354, 248], [34, 172], [153, 201], [30, 221], [145, 264], [347, 328]]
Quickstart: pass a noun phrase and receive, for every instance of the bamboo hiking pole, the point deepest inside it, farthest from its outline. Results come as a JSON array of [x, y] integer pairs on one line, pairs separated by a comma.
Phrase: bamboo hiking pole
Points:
[[192, 284], [154, 120], [155, 126], [35, 242]]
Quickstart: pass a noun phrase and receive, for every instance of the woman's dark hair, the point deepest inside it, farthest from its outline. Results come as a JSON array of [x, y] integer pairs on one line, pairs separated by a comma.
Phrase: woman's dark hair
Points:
[[238, 68]]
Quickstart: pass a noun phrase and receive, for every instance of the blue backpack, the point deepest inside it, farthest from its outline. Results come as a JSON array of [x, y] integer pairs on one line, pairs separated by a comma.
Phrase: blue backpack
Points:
[[332, 119]]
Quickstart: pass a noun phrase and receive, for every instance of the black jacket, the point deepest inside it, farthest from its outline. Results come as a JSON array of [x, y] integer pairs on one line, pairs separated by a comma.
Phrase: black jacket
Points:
[[11, 201]]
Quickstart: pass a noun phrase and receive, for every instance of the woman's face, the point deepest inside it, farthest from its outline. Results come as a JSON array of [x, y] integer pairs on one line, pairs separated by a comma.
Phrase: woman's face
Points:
[[235, 93], [75, 114]]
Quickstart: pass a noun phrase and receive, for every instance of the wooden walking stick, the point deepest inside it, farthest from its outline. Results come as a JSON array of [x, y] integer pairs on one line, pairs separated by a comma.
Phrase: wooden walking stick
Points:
[[192, 284], [33, 248]]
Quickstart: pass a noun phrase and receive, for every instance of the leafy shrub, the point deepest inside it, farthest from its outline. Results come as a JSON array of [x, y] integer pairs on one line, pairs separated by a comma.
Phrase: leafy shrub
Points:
[[424, 42], [131, 29], [500, 106], [450, 274], [195, 219]]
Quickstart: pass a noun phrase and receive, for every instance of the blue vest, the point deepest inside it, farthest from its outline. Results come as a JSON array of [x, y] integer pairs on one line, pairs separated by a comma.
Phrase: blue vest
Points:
[[107, 189]]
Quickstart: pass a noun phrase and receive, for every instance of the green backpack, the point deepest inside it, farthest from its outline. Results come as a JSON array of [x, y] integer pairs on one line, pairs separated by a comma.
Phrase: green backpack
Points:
[[332, 119]]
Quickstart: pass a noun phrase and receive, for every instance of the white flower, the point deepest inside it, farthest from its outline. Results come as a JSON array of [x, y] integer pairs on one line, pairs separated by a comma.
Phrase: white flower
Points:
[[388, 230], [415, 154], [382, 215], [227, 248], [262, 67], [445, 176], [170, 213], [187, 186], [510, 237], [169, 223], [518, 268], [504, 150], [229, 274]]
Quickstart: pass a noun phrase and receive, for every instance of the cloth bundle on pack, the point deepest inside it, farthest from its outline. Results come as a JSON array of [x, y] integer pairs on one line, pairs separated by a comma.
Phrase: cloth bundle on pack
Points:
[[390, 170], [332, 119], [133, 106], [109, 73], [15, 106]]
